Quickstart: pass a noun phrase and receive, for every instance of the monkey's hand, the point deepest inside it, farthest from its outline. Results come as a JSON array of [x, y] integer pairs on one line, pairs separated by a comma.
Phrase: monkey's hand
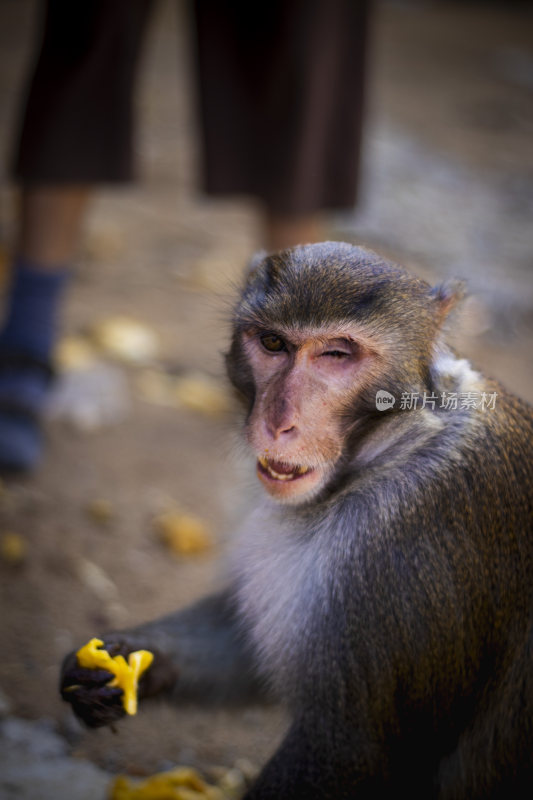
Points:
[[88, 690]]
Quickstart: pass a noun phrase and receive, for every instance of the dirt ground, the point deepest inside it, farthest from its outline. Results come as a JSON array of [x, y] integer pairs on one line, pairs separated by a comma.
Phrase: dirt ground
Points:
[[447, 189]]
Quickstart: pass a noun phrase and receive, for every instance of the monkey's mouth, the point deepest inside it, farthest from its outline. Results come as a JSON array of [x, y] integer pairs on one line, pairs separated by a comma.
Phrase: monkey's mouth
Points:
[[279, 471]]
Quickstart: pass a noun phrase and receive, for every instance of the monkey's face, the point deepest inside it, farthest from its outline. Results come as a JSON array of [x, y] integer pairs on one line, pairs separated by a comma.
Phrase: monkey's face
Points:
[[304, 382], [318, 330]]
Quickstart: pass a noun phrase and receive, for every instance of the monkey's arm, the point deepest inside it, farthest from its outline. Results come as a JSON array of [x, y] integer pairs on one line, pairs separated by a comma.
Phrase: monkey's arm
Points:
[[208, 650], [200, 654]]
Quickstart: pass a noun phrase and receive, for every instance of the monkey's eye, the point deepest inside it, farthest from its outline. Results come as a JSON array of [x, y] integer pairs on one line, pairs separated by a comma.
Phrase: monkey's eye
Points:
[[272, 342], [336, 354], [339, 349]]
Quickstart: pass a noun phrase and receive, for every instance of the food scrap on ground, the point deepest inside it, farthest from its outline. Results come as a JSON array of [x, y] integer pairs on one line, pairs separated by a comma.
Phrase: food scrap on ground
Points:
[[127, 673], [183, 533], [13, 549], [126, 339], [181, 783], [100, 511], [193, 390], [200, 392], [74, 353]]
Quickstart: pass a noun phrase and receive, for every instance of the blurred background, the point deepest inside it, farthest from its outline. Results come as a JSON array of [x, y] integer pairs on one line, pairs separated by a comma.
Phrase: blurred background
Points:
[[140, 432]]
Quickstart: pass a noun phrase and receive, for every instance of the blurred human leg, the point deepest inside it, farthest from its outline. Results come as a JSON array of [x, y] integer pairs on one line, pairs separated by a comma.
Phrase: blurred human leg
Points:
[[281, 91], [287, 230], [51, 219], [50, 222], [76, 132]]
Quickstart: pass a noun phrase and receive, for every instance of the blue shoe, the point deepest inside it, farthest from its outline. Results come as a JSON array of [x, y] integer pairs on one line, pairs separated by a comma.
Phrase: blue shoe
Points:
[[24, 386]]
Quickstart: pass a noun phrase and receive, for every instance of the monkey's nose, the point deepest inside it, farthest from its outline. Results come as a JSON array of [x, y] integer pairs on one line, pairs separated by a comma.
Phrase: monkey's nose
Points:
[[280, 431], [286, 430]]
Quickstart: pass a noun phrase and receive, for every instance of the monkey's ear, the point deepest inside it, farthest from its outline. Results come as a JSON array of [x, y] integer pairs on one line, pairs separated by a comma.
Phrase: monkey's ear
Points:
[[446, 297]]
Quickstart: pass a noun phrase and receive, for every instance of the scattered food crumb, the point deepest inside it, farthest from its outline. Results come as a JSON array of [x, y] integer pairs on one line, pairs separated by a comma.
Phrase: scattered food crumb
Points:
[[73, 353], [94, 577], [100, 511], [200, 392], [183, 534], [13, 549], [126, 339], [233, 783], [194, 390], [181, 783]]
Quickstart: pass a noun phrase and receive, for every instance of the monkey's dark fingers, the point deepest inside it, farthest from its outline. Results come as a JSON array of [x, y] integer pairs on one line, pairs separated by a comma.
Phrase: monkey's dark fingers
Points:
[[89, 678], [87, 691], [95, 706], [119, 647], [77, 694]]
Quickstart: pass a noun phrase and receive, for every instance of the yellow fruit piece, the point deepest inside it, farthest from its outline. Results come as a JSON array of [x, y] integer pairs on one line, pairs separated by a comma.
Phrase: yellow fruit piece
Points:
[[13, 549], [127, 673], [184, 534], [182, 783], [100, 511]]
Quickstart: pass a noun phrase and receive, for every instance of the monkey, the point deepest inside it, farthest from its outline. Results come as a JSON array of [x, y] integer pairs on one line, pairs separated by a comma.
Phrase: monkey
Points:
[[382, 587]]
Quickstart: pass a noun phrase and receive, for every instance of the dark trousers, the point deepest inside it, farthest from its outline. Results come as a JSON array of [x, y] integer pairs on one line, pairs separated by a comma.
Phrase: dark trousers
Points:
[[280, 86]]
